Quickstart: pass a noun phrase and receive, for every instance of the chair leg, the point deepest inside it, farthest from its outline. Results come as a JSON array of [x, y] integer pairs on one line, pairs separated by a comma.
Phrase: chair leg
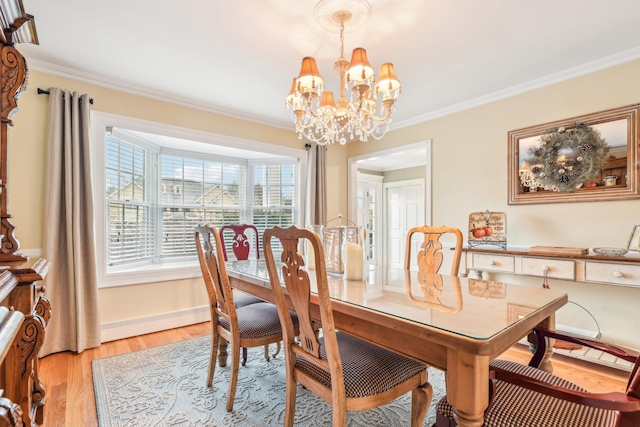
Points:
[[290, 399], [233, 380], [277, 349], [215, 338], [266, 352], [339, 414], [244, 356], [420, 401]]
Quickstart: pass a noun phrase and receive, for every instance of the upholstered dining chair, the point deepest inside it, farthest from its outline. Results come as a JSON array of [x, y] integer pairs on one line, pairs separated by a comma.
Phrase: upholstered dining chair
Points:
[[240, 243], [252, 325], [241, 247], [348, 373], [429, 256], [526, 396]]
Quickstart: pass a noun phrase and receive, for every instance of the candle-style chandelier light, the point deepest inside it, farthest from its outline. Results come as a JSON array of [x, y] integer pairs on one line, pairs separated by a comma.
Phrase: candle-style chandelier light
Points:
[[368, 111]]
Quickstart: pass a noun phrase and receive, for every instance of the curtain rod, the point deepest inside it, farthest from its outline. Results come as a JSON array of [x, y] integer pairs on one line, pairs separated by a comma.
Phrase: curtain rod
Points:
[[46, 92]]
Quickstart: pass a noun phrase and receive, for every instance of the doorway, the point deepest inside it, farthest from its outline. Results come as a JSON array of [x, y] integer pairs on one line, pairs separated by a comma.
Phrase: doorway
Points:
[[404, 210], [390, 211]]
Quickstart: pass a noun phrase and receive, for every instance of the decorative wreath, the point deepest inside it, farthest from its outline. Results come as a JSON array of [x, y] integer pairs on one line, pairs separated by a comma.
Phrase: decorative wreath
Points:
[[567, 158]]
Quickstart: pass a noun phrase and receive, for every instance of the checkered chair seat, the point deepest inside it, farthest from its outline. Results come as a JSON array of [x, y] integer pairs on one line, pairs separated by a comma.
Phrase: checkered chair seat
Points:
[[258, 320], [368, 369], [241, 299], [514, 406]]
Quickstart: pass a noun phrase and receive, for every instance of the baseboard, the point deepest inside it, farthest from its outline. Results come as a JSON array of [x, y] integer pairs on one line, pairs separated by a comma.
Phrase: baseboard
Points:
[[158, 322]]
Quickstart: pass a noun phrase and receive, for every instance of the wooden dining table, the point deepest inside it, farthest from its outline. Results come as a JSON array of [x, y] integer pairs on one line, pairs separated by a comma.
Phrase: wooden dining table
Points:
[[451, 323]]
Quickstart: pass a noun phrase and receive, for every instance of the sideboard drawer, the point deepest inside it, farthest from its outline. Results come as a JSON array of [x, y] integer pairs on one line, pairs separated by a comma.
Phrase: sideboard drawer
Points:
[[615, 274], [557, 268], [490, 262]]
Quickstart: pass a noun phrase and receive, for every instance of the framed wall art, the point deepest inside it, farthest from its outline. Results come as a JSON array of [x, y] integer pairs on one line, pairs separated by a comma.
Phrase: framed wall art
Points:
[[488, 228], [582, 159]]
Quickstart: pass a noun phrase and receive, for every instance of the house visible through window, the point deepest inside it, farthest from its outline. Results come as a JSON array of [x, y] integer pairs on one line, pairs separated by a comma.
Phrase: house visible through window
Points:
[[156, 193]]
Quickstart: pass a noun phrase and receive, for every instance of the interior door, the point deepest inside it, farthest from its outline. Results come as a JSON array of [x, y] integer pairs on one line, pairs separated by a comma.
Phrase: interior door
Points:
[[404, 209], [369, 214]]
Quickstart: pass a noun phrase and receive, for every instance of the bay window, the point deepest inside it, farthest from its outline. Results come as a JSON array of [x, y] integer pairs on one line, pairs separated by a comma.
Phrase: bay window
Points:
[[152, 189]]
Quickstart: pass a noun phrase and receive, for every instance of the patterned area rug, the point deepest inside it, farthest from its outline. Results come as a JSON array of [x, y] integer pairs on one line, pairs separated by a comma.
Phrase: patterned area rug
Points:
[[165, 386]]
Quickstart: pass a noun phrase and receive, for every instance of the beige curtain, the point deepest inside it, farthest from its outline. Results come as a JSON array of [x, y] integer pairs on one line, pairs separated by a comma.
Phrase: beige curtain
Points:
[[316, 184], [68, 240]]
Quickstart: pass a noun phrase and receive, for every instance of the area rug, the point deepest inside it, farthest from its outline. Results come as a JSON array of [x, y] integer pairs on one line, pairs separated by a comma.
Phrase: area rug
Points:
[[165, 386]]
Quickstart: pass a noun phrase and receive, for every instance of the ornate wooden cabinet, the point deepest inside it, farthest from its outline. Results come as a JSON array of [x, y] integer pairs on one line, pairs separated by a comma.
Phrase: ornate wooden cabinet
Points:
[[24, 310]]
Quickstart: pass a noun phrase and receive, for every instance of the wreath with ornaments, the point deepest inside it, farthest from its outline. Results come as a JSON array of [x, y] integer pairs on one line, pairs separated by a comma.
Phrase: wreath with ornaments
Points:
[[565, 159]]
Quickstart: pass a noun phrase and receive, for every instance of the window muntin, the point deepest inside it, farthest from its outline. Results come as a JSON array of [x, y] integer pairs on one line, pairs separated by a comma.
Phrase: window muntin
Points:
[[156, 226], [209, 192], [131, 228]]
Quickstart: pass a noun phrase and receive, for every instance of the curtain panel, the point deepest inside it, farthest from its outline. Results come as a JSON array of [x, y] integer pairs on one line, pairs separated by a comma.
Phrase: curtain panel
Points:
[[316, 210], [68, 240]]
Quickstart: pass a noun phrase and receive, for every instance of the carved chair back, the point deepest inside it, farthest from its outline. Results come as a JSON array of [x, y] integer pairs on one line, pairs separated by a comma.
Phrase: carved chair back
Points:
[[429, 256], [214, 273], [298, 287], [241, 245]]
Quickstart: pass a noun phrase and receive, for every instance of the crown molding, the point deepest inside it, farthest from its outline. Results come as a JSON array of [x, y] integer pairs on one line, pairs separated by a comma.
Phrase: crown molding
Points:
[[570, 73], [98, 80]]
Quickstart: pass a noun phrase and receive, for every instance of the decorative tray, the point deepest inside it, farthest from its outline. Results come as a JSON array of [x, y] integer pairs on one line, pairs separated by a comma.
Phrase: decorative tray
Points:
[[610, 251]]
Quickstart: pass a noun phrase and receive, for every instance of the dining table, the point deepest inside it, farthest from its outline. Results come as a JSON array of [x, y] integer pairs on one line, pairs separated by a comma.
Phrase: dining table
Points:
[[456, 324]]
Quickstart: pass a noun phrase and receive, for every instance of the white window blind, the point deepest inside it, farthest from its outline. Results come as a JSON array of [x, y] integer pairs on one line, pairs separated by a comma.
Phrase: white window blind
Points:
[[156, 196], [274, 195], [131, 231], [198, 191]]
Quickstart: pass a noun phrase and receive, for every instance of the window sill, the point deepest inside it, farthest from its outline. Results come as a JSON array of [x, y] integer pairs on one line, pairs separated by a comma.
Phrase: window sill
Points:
[[151, 274]]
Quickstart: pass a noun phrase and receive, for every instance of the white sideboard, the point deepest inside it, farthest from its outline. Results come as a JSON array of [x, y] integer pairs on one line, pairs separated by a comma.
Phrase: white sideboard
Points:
[[589, 268]]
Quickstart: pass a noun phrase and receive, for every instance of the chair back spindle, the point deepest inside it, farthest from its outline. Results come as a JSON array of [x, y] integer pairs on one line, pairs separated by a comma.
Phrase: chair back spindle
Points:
[[240, 243], [429, 255]]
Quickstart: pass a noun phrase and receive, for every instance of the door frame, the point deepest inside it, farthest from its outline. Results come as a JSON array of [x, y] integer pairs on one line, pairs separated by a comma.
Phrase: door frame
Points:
[[352, 176], [379, 217]]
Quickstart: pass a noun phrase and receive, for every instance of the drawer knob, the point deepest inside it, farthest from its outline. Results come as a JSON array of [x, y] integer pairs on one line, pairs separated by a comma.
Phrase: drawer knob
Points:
[[492, 262], [618, 274], [545, 269]]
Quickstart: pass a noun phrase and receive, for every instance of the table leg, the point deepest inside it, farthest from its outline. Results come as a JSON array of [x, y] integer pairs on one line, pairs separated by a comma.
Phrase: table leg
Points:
[[222, 352], [467, 387], [548, 323]]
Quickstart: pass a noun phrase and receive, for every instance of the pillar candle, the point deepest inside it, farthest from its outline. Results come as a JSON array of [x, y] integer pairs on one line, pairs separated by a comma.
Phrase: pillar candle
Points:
[[353, 261]]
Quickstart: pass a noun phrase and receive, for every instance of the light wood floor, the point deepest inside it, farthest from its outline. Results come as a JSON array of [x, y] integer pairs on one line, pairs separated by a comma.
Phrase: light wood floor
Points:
[[71, 401]]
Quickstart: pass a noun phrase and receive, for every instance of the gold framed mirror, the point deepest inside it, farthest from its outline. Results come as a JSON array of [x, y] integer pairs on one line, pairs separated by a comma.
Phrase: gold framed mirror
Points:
[[616, 177]]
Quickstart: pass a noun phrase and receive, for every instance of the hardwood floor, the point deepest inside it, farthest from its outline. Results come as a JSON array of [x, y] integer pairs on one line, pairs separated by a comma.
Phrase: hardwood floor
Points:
[[71, 401]]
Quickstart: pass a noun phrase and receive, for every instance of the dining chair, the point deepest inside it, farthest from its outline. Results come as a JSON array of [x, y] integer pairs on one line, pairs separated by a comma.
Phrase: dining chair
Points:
[[527, 396], [429, 256], [241, 249], [348, 373], [252, 325], [240, 243]]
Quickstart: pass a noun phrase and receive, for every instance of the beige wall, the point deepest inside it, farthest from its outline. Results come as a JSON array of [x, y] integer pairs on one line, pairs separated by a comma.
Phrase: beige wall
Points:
[[416, 172], [469, 161], [469, 172], [27, 168]]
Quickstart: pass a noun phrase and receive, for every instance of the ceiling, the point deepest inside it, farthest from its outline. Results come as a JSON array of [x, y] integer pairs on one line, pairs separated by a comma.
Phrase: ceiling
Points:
[[238, 57]]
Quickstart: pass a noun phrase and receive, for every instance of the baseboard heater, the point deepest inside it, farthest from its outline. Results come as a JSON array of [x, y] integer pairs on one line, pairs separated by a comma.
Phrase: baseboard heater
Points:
[[586, 333], [155, 323]]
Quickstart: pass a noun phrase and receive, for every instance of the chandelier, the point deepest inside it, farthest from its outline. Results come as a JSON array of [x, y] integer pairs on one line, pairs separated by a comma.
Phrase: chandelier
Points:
[[367, 112]]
